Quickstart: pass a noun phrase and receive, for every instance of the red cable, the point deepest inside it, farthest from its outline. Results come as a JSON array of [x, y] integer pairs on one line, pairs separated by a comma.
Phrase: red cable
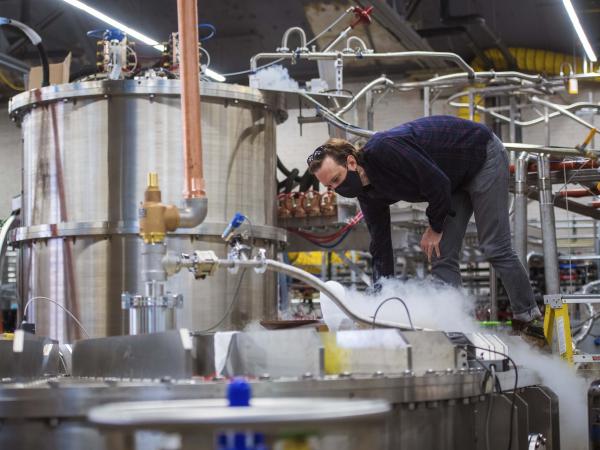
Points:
[[330, 237], [325, 238]]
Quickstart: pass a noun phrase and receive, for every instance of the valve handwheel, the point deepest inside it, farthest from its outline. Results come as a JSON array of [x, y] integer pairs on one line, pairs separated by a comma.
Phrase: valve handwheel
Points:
[[362, 15]]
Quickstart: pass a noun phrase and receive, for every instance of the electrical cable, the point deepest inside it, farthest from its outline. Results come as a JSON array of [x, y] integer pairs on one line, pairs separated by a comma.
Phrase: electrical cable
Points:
[[330, 237], [488, 415], [211, 27], [514, 395], [202, 49], [61, 307], [237, 289], [230, 307], [333, 245], [387, 300], [574, 173]]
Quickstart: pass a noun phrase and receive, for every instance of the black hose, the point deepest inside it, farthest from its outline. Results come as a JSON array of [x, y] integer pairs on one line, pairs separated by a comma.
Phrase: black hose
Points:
[[288, 183], [30, 34], [284, 169], [45, 65], [306, 181]]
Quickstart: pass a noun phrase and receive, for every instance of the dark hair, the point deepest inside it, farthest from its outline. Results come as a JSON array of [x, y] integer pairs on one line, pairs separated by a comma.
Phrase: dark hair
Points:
[[337, 149]]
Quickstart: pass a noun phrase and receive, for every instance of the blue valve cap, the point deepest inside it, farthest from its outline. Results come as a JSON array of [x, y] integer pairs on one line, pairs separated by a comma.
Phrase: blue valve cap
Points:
[[239, 392], [239, 441]]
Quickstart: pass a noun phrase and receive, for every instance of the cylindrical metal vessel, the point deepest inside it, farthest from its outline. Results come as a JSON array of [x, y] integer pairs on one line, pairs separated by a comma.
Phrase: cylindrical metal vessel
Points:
[[87, 148]]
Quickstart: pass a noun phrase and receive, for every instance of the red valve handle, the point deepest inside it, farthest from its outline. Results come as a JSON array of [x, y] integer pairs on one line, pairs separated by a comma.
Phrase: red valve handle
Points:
[[362, 15]]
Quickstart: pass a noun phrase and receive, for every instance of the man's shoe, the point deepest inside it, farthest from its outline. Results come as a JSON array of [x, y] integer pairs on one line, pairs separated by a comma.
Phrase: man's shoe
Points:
[[531, 332]]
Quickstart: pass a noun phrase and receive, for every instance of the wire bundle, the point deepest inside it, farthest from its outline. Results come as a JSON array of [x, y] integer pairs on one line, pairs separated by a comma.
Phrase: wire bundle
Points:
[[330, 240]]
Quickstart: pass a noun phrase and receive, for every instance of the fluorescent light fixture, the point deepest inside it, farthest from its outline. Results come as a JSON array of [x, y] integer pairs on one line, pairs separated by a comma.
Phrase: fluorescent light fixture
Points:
[[116, 24], [589, 51], [213, 75]]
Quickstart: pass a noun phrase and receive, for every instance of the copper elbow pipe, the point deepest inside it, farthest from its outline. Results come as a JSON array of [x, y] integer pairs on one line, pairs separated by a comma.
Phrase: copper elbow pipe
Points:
[[189, 69]]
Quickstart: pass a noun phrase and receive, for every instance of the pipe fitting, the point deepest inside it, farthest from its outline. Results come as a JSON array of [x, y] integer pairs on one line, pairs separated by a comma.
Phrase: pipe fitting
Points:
[[152, 261], [284, 41], [193, 212], [362, 46], [156, 218]]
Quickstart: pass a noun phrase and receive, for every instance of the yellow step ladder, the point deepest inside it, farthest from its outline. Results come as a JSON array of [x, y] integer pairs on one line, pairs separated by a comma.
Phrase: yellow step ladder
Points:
[[557, 325]]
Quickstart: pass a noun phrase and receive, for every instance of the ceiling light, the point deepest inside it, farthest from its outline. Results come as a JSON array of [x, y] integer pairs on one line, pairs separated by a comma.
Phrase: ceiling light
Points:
[[116, 24], [589, 51]]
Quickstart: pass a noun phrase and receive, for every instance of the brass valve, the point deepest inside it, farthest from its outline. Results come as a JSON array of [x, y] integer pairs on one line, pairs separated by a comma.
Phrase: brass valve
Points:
[[156, 218]]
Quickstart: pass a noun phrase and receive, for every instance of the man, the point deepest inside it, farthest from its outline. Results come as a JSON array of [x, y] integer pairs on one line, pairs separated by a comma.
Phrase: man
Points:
[[459, 167]]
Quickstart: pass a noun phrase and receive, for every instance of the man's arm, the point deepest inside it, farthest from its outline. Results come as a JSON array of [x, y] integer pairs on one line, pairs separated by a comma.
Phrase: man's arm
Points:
[[377, 217]]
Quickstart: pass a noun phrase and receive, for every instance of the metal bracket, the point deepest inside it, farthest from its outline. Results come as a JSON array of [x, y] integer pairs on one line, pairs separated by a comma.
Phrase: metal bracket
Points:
[[586, 358], [557, 300], [554, 300]]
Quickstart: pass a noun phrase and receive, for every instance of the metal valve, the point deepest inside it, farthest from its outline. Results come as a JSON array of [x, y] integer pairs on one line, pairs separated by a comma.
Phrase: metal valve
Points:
[[202, 263]]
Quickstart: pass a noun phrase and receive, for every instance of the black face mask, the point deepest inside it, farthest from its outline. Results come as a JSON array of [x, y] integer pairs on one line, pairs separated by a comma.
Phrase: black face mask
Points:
[[351, 186]]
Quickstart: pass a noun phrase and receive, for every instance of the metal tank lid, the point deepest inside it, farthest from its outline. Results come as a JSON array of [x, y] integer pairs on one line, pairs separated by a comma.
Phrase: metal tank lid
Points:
[[317, 412], [22, 103]]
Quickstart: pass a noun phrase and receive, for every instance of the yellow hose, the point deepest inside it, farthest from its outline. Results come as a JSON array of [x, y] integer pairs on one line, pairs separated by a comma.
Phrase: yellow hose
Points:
[[9, 83], [530, 60]]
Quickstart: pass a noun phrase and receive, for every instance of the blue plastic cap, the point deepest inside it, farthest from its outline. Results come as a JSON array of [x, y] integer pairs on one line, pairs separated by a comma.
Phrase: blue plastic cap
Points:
[[108, 34], [239, 441], [113, 34], [237, 220], [239, 392]]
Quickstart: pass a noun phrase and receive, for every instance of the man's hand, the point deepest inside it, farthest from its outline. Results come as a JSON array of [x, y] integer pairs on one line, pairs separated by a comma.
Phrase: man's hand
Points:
[[430, 241]]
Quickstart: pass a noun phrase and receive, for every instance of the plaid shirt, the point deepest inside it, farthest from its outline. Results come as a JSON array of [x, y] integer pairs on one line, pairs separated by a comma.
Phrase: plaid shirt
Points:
[[420, 161]]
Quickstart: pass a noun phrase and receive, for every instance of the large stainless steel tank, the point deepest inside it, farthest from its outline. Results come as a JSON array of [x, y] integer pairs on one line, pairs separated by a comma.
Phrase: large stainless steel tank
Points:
[[87, 148]]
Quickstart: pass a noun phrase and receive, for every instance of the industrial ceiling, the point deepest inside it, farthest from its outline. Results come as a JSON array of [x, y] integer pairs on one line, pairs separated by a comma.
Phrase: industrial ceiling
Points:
[[244, 28]]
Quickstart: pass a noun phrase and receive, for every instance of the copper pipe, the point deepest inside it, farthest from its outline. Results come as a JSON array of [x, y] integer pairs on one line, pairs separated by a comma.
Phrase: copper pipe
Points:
[[578, 192], [189, 69], [566, 165]]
